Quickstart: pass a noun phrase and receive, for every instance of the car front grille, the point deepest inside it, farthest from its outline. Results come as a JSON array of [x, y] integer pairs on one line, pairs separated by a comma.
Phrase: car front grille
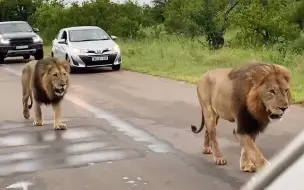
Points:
[[88, 60], [22, 41]]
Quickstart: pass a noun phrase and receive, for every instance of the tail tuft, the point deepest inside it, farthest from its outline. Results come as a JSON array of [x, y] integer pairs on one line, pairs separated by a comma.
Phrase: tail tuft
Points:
[[194, 129]]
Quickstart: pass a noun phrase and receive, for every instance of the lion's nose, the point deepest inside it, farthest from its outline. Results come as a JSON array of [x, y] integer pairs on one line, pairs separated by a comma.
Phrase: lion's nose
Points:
[[283, 109], [62, 85]]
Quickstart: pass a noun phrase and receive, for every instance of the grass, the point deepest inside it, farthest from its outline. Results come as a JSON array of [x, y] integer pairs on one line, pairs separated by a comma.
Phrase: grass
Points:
[[186, 60]]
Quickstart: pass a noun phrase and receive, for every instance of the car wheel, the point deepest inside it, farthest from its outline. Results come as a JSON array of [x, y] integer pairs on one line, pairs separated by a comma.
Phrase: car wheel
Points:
[[39, 54], [116, 67], [26, 56], [67, 58]]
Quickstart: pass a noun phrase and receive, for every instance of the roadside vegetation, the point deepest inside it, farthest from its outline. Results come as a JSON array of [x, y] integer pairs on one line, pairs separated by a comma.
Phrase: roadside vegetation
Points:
[[182, 39]]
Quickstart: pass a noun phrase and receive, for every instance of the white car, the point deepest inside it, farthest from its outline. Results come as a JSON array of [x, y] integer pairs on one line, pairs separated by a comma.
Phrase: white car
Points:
[[87, 46]]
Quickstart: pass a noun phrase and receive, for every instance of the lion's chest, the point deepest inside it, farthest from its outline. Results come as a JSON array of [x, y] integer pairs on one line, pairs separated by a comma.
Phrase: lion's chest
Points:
[[41, 96]]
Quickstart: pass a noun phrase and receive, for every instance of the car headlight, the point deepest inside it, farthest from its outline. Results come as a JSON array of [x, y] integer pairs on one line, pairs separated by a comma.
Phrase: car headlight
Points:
[[116, 48], [37, 39], [4, 41], [80, 50]]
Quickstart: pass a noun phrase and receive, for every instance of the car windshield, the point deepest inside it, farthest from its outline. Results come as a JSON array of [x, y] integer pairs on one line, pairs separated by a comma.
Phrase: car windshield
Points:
[[15, 27], [87, 35]]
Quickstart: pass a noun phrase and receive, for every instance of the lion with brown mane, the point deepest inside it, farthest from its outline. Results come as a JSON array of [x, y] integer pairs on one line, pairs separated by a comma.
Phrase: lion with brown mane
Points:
[[48, 80], [252, 96]]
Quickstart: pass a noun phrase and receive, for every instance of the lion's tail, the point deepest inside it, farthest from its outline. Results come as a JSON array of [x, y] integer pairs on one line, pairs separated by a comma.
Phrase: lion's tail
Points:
[[194, 128]]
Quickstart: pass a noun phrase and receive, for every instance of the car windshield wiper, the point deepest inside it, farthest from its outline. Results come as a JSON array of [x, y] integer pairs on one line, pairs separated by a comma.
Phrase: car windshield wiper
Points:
[[90, 40]]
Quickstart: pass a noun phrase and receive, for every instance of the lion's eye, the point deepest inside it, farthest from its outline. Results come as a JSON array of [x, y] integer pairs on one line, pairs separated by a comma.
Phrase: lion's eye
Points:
[[286, 91], [272, 91], [55, 74]]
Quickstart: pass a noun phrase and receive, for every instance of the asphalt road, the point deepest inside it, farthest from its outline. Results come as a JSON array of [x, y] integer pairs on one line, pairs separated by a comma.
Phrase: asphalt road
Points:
[[125, 131]]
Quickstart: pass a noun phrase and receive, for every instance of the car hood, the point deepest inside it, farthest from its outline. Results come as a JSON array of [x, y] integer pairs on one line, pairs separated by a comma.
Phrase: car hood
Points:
[[92, 45], [17, 35]]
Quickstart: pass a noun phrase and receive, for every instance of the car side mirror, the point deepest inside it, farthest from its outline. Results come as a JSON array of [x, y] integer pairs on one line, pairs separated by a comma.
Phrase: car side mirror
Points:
[[113, 37], [35, 30], [61, 41]]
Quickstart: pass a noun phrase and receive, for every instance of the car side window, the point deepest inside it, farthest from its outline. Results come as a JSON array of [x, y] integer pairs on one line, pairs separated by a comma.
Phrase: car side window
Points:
[[64, 35]]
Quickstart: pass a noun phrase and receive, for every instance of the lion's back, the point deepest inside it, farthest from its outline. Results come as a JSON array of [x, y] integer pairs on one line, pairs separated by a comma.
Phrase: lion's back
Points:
[[214, 81]]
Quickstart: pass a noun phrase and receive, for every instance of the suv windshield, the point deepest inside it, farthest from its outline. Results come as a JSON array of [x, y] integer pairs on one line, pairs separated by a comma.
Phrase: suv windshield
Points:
[[14, 27], [87, 35]]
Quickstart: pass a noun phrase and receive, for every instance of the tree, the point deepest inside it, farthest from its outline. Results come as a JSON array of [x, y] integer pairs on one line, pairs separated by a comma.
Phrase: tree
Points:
[[266, 21]]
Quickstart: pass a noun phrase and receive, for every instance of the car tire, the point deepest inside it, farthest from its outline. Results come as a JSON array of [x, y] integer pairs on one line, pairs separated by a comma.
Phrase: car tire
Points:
[[52, 54], [116, 67], [39, 54], [67, 58], [26, 56]]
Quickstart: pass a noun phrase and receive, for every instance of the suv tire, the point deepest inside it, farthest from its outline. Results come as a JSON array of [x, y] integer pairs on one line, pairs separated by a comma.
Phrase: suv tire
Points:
[[39, 54], [26, 56], [1, 59]]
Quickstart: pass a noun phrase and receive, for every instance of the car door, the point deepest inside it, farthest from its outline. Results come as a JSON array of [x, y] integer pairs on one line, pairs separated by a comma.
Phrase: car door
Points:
[[62, 47], [55, 44]]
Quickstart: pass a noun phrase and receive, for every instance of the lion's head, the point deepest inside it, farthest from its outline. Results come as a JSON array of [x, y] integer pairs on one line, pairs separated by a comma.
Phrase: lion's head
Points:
[[265, 89], [60, 79], [55, 76]]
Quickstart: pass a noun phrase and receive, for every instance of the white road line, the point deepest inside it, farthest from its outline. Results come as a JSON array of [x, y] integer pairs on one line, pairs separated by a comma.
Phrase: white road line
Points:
[[154, 144]]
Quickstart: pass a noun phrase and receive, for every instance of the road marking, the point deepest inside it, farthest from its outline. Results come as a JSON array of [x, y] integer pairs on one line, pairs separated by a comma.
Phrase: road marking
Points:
[[20, 185], [138, 135]]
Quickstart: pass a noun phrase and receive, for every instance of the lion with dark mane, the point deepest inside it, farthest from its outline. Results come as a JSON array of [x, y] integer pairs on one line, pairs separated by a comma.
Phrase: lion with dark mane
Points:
[[252, 96], [48, 80]]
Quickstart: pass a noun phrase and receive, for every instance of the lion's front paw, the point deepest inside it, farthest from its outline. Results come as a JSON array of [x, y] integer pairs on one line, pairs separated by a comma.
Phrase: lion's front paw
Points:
[[250, 167], [38, 123], [60, 126], [220, 161], [207, 150]]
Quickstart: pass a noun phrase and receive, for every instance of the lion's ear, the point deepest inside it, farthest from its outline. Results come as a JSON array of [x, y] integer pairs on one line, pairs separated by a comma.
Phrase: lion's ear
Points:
[[66, 65]]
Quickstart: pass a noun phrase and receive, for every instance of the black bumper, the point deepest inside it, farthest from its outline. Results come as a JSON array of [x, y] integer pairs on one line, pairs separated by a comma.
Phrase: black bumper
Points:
[[12, 50]]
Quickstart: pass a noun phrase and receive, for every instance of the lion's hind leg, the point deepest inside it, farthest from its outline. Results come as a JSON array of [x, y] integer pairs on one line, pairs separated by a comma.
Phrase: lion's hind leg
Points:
[[26, 111], [26, 92], [211, 123], [207, 144]]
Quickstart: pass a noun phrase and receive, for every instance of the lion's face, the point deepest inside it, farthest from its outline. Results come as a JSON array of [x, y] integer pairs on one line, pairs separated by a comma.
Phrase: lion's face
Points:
[[60, 79], [276, 96]]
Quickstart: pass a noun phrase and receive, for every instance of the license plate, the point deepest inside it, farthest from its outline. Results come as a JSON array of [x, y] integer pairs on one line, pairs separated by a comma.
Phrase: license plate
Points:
[[22, 47], [99, 58]]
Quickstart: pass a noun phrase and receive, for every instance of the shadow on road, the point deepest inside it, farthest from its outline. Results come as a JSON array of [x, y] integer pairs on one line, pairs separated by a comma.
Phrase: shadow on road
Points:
[[16, 61], [92, 70]]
